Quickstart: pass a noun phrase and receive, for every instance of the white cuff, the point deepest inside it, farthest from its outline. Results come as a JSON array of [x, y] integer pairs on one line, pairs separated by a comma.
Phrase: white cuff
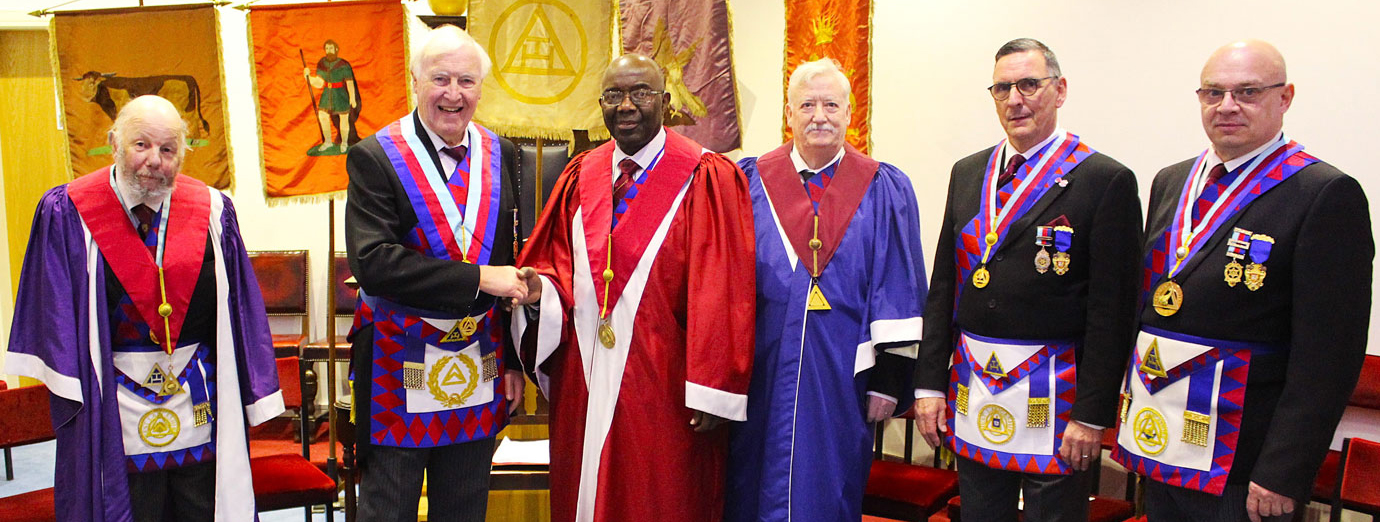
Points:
[[882, 395], [731, 406], [929, 394], [30, 365], [264, 409]]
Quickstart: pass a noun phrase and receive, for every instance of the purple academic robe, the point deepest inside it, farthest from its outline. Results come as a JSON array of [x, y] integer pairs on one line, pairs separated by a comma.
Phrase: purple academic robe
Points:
[[61, 336]]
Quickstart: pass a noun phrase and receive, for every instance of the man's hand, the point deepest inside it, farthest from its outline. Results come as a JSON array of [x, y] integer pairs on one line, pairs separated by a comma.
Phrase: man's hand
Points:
[[501, 281], [533, 282], [1261, 503], [705, 421], [1081, 445], [879, 408], [929, 417], [513, 387]]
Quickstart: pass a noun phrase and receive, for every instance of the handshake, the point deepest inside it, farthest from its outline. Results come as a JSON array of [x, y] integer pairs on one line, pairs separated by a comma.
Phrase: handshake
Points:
[[515, 286]]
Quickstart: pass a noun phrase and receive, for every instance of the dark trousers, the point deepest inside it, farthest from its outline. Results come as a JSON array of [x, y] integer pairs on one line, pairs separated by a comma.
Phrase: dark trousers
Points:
[[1165, 503], [457, 482], [991, 495], [185, 493]]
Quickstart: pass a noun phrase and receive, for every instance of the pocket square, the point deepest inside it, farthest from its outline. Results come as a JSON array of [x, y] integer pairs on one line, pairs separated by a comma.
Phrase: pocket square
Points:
[[1061, 221]]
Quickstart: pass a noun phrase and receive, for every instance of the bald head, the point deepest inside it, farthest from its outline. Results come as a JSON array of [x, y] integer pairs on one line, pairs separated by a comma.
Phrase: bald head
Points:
[[640, 85], [1244, 94], [149, 141]]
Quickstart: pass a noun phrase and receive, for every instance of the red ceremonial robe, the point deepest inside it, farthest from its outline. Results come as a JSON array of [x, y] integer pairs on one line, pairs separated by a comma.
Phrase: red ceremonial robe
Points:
[[681, 305]]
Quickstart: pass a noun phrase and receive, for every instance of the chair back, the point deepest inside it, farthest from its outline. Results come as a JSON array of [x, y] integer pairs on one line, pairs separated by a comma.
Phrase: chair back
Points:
[[1356, 478], [282, 276], [1367, 392], [290, 381], [26, 418], [345, 296]]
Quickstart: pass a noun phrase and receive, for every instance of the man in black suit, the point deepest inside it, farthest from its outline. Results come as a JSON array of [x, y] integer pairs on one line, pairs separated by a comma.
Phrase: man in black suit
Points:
[[429, 228], [1256, 291], [1034, 288]]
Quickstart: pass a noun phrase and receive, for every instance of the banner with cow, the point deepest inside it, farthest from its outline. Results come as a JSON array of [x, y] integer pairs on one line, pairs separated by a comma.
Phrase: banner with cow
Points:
[[325, 76], [97, 75]]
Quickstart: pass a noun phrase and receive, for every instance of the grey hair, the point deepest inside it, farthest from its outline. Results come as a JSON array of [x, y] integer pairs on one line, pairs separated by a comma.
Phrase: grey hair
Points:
[[1021, 45], [446, 39], [810, 70], [130, 117]]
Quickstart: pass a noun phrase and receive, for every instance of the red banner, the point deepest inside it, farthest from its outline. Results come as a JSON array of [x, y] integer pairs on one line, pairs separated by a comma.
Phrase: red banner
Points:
[[841, 30]]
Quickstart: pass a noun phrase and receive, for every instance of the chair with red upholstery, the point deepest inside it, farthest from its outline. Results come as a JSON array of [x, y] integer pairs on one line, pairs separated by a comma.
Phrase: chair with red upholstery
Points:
[[344, 309], [26, 421], [1358, 472], [283, 280], [1366, 395], [284, 475], [905, 490]]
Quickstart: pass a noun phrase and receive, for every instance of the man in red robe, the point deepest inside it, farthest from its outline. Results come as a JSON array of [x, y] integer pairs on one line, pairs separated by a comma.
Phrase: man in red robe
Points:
[[639, 317]]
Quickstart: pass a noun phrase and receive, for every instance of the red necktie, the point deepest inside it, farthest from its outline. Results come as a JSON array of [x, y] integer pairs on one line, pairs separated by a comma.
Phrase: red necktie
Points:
[[1010, 172], [626, 168], [1216, 173]]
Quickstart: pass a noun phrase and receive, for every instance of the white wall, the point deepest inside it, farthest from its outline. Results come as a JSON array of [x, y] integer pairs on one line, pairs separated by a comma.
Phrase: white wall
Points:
[[1131, 67]]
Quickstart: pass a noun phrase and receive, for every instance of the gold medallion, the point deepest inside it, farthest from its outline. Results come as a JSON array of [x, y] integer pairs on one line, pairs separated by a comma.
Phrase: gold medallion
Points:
[[981, 277], [996, 424], [1150, 431], [606, 334], [1232, 273], [1042, 261], [448, 372], [159, 427], [156, 378], [1255, 276], [171, 386], [816, 301], [1061, 263], [1168, 298], [993, 367], [467, 327]]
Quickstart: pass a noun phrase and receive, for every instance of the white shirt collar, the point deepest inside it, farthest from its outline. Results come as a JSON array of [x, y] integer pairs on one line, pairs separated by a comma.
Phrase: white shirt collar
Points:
[[1010, 151], [643, 157], [1213, 159], [800, 164], [448, 164]]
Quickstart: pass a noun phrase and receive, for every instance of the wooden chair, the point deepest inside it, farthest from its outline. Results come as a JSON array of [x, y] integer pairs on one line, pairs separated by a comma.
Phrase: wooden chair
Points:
[[26, 421], [344, 308], [905, 490], [284, 475], [1358, 472], [283, 281]]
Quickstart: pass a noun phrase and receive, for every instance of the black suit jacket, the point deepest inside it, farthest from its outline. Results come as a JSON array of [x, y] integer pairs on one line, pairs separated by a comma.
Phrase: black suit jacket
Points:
[[378, 216], [1315, 302], [1093, 303]]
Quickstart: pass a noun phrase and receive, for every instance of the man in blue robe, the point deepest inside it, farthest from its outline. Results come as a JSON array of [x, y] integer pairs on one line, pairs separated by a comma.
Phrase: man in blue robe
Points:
[[840, 289], [138, 309]]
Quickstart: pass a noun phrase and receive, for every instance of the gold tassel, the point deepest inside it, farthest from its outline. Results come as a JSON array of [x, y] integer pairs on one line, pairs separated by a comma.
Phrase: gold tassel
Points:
[[413, 378], [1196, 428], [961, 400], [1037, 413], [201, 413]]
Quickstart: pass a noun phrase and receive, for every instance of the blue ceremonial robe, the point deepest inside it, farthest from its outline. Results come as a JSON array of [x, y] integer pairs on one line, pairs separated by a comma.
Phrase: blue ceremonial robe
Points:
[[804, 451], [61, 309]]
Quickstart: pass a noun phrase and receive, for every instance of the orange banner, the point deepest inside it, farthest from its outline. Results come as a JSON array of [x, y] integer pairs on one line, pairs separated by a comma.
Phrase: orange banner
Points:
[[841, 30], [97, 74], [325, 75]]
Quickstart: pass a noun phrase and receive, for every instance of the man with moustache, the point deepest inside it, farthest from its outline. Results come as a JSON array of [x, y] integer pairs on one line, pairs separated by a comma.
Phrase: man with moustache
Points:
[[840, 289], [1033, 297], [638, 321], [339, 95], [1256, 289], [429, 230], [138, 309]]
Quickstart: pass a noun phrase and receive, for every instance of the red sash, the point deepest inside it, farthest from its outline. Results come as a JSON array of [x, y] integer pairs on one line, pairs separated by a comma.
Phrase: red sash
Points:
[[188, 220], [852, 177], [644, 215]]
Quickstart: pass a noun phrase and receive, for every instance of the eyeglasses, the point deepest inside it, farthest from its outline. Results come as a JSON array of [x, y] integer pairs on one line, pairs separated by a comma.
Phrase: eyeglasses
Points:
[[1027, 86], [640, 97], [1240, 94]]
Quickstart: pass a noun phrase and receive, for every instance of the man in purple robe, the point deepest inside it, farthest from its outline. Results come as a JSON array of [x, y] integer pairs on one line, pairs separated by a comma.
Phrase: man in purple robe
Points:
[[138, 309], [840, 290]]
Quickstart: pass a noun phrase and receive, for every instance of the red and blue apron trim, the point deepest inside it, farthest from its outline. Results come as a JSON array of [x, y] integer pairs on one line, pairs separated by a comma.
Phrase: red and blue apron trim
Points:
[[1057, 356], [1252, 180], [1056, 159], [446, 216], [401, 336], [194, 379], [1236, 359]]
